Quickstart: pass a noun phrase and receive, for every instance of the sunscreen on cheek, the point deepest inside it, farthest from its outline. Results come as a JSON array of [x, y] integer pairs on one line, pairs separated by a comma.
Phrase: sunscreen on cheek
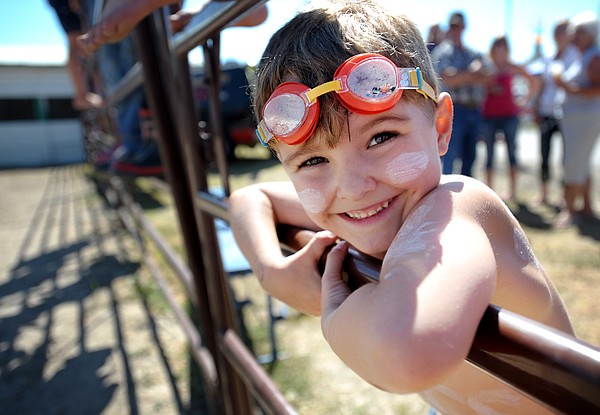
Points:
[[406, 167], [312, 200]]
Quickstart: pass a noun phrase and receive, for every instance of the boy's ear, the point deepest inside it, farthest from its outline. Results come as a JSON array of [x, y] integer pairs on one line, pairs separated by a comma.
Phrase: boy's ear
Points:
[[443, 122]]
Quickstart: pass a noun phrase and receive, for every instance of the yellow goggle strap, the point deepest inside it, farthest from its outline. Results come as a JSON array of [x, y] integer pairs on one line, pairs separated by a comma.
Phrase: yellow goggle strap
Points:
[[331, 86]]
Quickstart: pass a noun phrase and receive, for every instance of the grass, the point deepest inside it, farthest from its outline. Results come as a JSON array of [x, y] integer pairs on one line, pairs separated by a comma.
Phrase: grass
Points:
[[311, 377]]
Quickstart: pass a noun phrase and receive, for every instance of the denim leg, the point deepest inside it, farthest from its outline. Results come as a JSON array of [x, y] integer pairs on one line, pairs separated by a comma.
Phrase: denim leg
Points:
[[510, 126], [489, 131], [115, 61], [455, 147], [471, 135]]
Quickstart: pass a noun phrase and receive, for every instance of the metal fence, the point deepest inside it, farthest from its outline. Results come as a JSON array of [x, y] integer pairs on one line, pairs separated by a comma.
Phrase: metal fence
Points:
[[559, 371]]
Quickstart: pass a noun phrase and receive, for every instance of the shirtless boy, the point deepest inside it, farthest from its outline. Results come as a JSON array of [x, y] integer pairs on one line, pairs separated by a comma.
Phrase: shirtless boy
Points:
[[361, 144]]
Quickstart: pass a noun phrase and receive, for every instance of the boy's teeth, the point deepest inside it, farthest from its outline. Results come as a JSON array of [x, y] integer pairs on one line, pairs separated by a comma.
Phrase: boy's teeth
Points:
[[369, 213]]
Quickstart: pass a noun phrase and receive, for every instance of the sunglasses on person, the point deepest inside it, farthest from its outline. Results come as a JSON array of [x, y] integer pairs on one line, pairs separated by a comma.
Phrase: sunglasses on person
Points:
[[367, 83]]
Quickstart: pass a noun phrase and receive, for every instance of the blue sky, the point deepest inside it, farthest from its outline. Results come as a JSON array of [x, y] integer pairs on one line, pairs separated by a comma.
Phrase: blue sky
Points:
[[30, 32]]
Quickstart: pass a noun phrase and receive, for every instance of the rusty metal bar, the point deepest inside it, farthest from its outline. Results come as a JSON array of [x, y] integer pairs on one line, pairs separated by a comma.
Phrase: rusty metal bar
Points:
[[175, 262], [212, 205], [225, 13], [254, 376], [212, 67], [201, 354], [133, 78], [196, 34], [557, 370]]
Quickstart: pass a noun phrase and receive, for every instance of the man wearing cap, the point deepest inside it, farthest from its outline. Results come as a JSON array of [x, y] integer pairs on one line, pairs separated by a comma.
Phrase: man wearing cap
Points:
[[463, 75]]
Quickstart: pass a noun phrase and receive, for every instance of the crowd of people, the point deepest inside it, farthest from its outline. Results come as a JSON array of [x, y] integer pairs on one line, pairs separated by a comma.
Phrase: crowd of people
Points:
[[562, 90]]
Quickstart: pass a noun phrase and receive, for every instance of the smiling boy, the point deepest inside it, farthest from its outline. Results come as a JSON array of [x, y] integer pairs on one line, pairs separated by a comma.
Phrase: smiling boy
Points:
[[364, 169]]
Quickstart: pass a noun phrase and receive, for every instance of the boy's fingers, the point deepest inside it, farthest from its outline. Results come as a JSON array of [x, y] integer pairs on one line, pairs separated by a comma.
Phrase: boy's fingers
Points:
[[317, 245], [334, 289]]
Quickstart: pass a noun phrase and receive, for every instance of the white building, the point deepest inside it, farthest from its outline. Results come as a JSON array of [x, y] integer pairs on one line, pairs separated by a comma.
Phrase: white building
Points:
[[38, 126]]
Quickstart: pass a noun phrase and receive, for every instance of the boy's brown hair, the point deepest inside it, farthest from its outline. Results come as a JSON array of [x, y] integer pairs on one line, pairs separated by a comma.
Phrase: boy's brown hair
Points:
[[311, 46]]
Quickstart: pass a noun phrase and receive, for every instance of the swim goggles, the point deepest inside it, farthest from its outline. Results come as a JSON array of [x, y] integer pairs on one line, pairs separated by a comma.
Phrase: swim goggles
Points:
[[368, 83]]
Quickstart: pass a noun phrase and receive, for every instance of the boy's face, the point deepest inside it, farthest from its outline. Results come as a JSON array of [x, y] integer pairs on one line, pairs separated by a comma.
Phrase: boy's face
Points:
[[363, 189]]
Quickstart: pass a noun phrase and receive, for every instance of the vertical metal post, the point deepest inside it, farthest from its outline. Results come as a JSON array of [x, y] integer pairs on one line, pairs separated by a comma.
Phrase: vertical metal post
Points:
[[212, 66], [171, 158], [176, 101]]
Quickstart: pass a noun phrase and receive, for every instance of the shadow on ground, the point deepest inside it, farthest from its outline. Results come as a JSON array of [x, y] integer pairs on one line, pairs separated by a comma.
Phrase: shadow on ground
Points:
[[65, 307]]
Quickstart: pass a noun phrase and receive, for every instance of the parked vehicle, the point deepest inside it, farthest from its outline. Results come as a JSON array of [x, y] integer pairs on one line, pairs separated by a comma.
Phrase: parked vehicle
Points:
[[238, 121]]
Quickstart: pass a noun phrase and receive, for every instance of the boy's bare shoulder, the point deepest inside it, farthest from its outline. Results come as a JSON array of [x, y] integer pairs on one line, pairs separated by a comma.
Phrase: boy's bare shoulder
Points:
[[469, 195], [468, 185], [468, 198]]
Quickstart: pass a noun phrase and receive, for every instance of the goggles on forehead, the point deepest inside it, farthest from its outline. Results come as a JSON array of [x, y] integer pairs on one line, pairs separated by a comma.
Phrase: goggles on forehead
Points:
[[368, 83]]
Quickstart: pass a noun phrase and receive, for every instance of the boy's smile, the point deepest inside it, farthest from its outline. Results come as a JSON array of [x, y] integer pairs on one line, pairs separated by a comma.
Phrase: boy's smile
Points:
[[372, 211], [364, 187]]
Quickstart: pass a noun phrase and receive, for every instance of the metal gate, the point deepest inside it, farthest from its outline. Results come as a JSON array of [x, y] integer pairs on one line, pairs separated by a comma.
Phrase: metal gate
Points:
[[560, 371]]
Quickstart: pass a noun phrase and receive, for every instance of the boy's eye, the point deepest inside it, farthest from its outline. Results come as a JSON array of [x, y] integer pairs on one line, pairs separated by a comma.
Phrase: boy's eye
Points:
[[313, 161], [382, 138]]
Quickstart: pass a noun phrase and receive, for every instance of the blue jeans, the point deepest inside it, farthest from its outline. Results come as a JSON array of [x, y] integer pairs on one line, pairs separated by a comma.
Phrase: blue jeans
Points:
[[463, 143], [508, 125], [115, 60]]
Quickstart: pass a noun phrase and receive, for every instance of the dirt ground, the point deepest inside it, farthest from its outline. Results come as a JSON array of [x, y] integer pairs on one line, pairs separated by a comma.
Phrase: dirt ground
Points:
[[76, 336]]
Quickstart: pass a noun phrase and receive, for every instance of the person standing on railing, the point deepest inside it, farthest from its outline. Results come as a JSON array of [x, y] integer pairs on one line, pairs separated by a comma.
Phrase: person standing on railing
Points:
[[67, 12], [120, 17], [581, 121], [347, 98]]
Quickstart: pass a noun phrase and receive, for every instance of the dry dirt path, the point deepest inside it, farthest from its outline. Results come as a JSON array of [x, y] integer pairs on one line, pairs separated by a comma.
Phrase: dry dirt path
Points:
[[76, 335]]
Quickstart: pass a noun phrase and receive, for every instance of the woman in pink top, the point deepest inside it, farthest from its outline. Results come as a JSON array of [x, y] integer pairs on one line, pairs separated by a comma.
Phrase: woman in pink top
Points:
[[501, 110]]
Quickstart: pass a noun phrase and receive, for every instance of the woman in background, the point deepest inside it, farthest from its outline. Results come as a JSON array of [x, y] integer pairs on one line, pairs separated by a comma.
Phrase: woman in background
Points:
[[581, 121], [501, 109]]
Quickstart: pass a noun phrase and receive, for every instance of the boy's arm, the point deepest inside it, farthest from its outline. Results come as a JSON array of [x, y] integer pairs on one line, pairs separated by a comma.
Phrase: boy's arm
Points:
[[407, 332], [255, 212]]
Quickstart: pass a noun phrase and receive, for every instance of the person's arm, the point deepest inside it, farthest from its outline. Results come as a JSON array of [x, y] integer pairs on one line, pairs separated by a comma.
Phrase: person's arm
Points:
[[533, 85], [593, 71], [255, 212], [119, 18], [407, 332]]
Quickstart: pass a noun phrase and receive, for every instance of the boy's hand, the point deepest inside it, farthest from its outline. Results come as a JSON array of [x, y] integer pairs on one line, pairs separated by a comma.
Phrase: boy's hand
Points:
[[334, 290], [296, 279]]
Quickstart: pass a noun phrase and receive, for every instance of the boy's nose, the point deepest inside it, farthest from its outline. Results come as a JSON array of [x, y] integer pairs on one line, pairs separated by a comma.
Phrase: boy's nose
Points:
[[354, 182]]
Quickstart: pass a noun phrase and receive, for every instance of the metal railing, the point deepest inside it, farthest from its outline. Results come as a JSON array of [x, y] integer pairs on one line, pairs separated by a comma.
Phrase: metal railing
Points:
[[559, 371]]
